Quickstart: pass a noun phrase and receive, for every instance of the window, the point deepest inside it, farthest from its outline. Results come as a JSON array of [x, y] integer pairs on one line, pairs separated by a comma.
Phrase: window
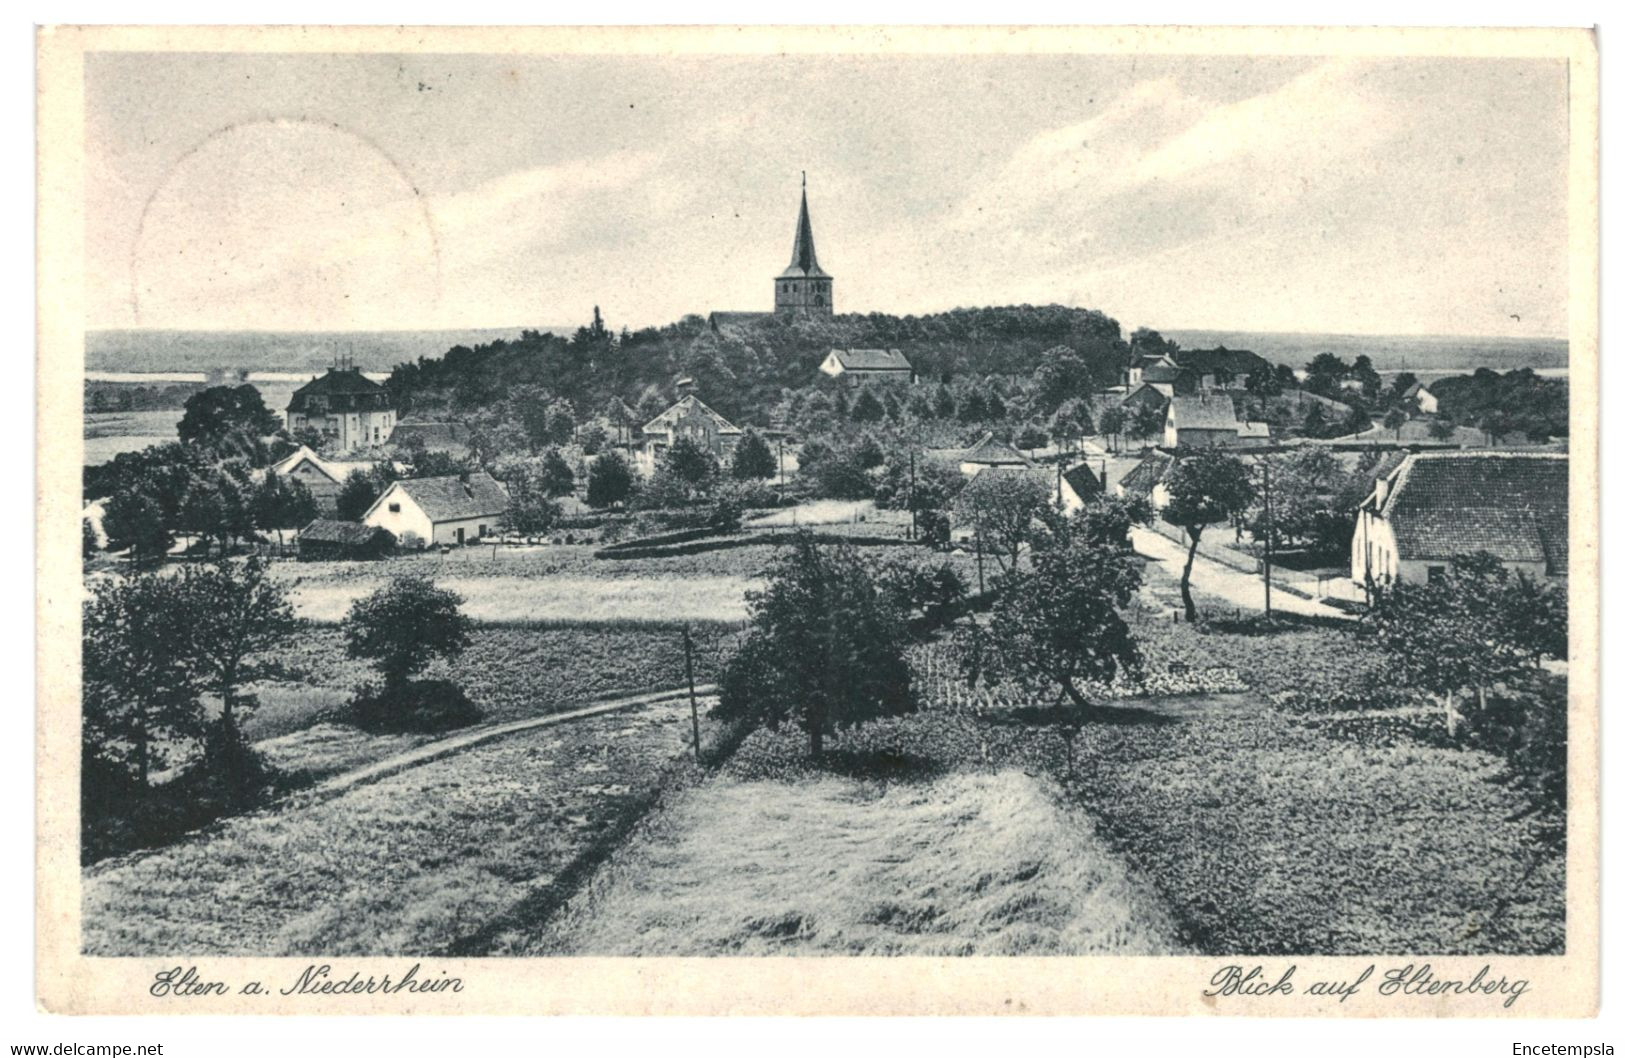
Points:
[[394, 508]]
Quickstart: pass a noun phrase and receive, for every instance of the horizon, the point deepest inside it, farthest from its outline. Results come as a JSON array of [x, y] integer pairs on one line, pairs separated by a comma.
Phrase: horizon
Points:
[[1292, 195]]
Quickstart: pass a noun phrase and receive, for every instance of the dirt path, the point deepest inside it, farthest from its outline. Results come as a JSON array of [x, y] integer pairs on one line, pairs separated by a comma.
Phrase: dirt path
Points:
[[1239, 589]]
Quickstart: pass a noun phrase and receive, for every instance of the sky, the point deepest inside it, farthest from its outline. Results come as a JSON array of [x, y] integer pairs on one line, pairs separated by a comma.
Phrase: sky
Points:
[[372, 192]]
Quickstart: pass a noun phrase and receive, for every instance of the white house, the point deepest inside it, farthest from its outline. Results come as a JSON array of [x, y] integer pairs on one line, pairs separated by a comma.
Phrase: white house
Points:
[[448, 510], [1434, 506], [323, 477], [691, 419], [1426, 402], [864, 365], [345, 406]]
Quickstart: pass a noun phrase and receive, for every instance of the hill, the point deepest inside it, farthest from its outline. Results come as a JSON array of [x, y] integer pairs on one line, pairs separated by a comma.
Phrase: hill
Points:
[[1422, 354], [148, 351]]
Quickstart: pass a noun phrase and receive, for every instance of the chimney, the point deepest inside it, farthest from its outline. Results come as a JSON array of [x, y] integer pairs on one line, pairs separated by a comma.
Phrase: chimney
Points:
[[685, 387]]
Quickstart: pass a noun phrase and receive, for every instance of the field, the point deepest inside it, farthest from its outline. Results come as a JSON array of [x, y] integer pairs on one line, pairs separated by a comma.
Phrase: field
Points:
[[511, 673], [109, 433], [409, 864], [965, 864]]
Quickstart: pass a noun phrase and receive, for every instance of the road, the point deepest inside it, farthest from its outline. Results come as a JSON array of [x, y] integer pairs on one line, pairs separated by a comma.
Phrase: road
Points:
[[1234, 587]]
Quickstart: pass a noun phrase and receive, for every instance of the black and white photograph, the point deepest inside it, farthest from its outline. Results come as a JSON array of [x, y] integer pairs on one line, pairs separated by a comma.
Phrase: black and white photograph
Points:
[[565, 501]]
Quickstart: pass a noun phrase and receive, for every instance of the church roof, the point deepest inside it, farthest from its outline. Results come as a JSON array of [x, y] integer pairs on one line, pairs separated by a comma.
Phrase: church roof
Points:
[[803, 258]]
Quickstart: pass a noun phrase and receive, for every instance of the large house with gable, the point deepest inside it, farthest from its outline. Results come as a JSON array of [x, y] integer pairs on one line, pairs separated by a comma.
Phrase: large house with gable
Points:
[[345, 407], [691, 419], [1434, 506], [457, 509]]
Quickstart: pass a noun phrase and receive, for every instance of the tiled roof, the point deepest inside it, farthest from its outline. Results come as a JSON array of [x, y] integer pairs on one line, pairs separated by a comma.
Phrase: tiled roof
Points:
[[451, 498], [1083, 481], [872, 359], [1160, 373], [1145, 475], [345, 389], [1514, 505], [333, 531], [333, 468], [434, 435], [662, 423], [1209, 412], [1253, 429], [993, 453]]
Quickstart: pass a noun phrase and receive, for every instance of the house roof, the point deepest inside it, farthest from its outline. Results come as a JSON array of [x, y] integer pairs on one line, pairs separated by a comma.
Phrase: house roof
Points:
[[1514, 505], [872, 359], [1413, 389], [434, 435], [1253, 429], [1145, 475], [333, 531], [1083, 481], [333, 468], [803, 258], [661, 423], [450, 498], [1208, 412], [992, 452], [1145, 392], [1155, 372], [344, 389]]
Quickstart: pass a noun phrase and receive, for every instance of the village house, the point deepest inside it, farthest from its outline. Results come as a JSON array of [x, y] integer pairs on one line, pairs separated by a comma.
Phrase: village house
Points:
[[986, 453], [456, 509], [344, 406], [1077, 487], [323, 477], [868, 365], [1200, 422], [691, 419], [328, 539], [1426, 402], [1434, 506], [1145, 480]]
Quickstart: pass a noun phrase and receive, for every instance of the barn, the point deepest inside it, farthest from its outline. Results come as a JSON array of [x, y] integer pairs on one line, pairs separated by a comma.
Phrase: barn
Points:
[[328, 539]]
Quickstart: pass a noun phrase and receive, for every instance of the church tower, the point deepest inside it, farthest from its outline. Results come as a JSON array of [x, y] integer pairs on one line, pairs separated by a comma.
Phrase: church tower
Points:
[[803, 288]]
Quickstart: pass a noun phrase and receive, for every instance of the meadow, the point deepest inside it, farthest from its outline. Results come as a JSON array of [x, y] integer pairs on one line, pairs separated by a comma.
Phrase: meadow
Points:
[[406, 865]]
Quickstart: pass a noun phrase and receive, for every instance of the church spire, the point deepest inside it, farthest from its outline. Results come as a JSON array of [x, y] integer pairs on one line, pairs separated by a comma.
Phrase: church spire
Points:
[[803, 258]]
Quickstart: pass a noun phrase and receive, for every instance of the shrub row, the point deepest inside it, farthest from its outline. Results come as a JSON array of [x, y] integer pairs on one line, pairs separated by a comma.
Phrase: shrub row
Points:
[[642, 549]]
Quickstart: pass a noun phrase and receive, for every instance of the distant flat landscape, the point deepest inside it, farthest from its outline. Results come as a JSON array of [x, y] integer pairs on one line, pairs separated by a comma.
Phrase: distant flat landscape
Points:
[[158, 351], [1422, 354]]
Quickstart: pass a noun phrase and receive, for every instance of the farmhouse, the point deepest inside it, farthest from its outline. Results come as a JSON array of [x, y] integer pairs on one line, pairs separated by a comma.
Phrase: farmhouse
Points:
[[323, 477], [328, 539], [1436, 505], [1076, 488], [345, 406], [1145, 480], [1426, 402], [689, 418], [451, 510], [985, 454], [868, 365], [1200, 422]]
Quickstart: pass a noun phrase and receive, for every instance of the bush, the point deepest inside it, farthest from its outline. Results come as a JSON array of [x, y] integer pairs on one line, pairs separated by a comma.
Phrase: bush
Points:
[[421, 706]]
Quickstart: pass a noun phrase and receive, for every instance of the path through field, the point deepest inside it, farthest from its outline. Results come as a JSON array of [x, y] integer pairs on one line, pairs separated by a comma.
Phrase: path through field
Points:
[[405, 864], [969, 863]]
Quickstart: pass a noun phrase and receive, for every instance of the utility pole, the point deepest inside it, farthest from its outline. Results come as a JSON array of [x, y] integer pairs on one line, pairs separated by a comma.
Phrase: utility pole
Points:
[[693, 701], [913, 520], [1269, 535]]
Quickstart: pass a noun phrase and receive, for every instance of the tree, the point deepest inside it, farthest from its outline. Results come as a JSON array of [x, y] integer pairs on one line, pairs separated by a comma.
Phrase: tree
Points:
[[1000, 507], [943, 404], [753, 459], [1325, 374], [88, 545], [973, 408], [825, 648], [281, 504], [1264, 384], [1147, 420], [867, 408], [1395, 418], [1204, 488], [1062, 376], [531, 508], [609, 481], [1060, 627], [133, 519], [141, 680], [1476, 626], [238, 611], [593, 439], [1112, 421], [213, 414], [357, 495], [1441, 429], [557, 479], [405, 625], [1031, 437]]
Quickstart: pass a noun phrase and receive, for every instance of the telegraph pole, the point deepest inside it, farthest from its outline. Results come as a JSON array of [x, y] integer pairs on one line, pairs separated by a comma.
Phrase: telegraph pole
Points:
[[693, 701], [1269, 534]]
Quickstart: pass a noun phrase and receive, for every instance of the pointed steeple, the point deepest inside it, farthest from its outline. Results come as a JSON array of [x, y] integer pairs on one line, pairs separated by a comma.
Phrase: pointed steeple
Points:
[[803, 258]]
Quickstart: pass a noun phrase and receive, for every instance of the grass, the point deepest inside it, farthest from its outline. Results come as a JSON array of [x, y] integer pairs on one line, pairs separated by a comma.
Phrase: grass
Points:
[[406, 865], [502, 600], [510, 673], [966, 864], [821, 512]]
